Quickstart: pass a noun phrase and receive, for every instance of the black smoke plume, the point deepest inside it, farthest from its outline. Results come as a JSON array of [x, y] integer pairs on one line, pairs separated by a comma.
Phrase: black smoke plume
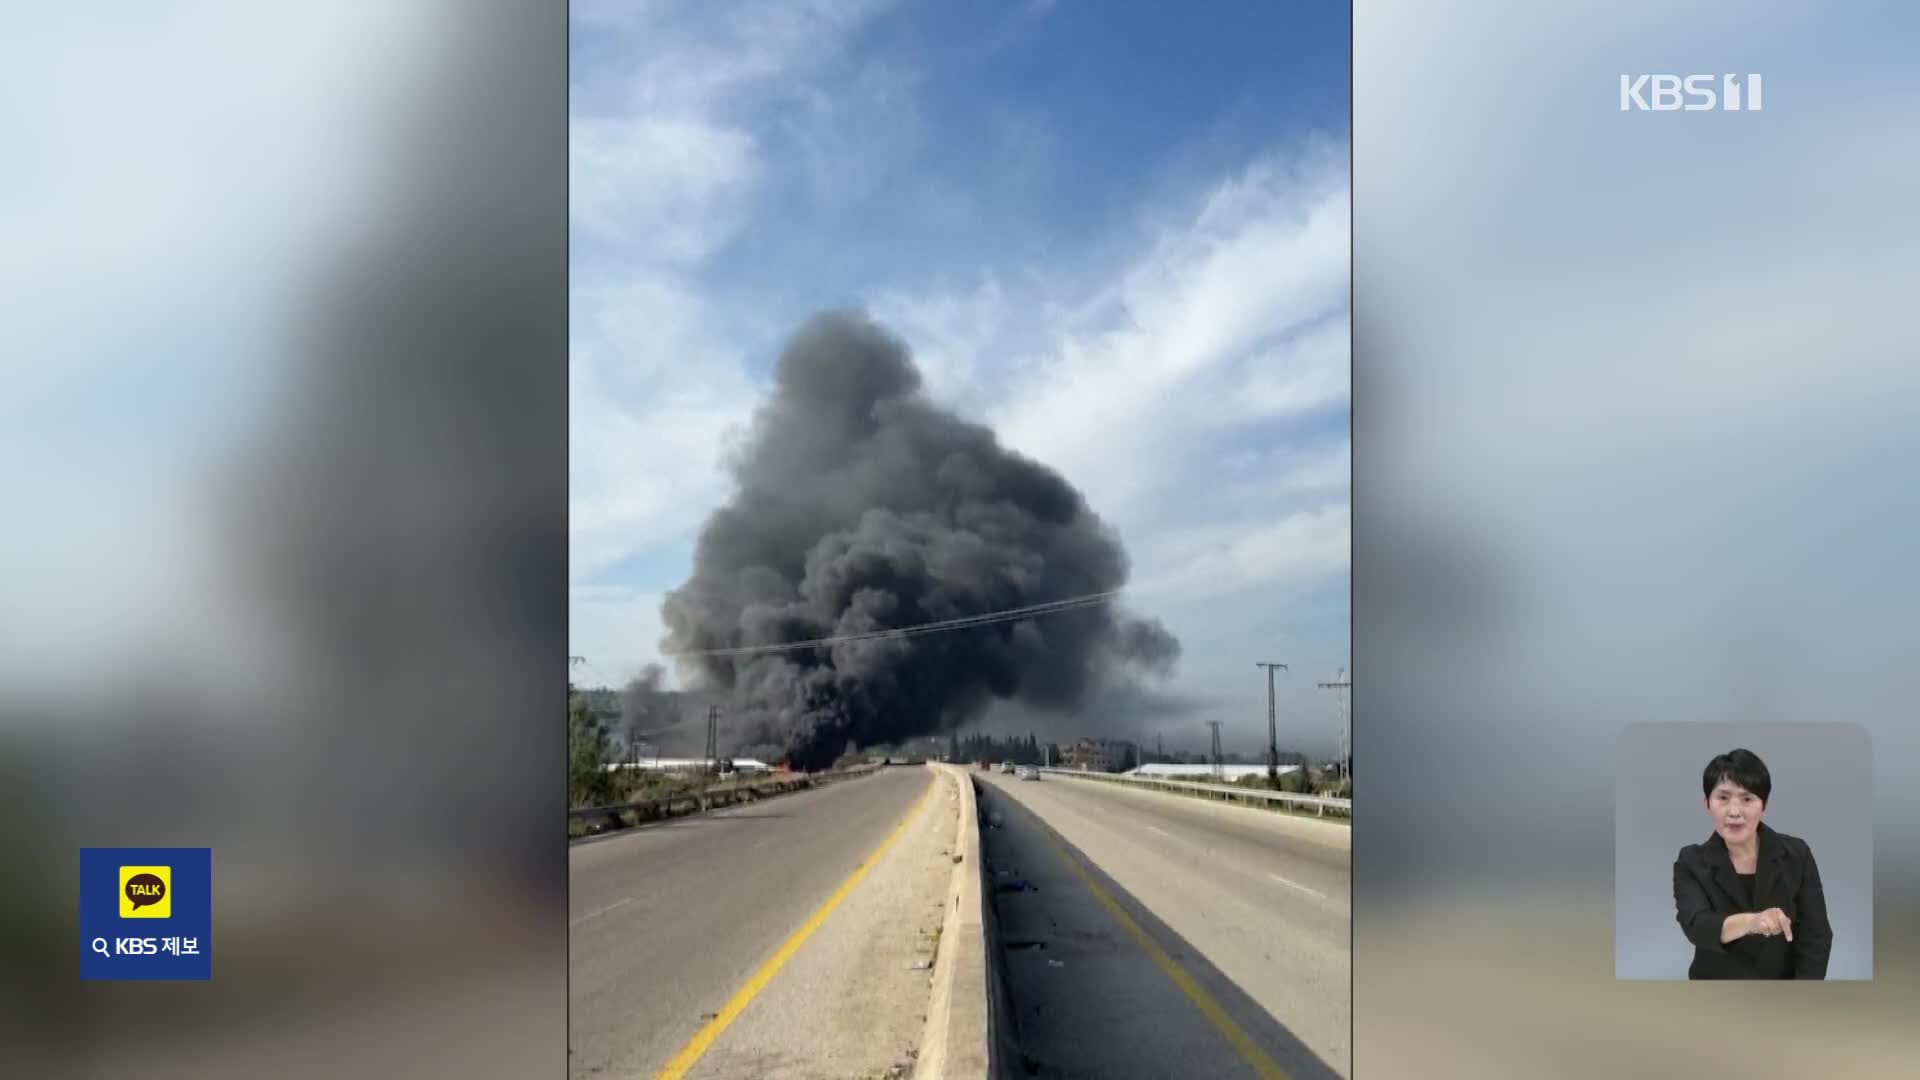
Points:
[[862, 506], [645, 705]]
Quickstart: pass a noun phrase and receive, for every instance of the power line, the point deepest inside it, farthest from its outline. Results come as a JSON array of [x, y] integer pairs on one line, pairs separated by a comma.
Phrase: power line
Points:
[[964, 622]]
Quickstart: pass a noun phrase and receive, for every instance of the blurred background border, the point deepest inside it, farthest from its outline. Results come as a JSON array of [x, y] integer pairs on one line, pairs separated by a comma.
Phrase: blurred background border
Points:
[[283, 443], [1634, 417]]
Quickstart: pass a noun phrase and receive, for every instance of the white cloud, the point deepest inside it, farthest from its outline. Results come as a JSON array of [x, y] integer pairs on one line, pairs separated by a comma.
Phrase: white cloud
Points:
[[1114, 406], [641, 480], [676, 187], [652, 393], [1215, 560], [1183, 391], [622, 623], [665, 169], [1301, 376], [678, 50], [1325, 470], [957, 337], [1142, 372], [1268, 476], [845, 143], [1234, 316]]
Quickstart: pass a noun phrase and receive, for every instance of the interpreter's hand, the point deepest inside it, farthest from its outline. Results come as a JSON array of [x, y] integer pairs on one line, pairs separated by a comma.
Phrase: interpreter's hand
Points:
[[1771, 922]]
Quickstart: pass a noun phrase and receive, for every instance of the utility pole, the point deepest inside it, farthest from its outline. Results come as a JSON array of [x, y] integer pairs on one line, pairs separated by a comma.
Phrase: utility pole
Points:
[[1215, 725], [1273, 734], [1159, 748], [713, 737], [1340, 685]]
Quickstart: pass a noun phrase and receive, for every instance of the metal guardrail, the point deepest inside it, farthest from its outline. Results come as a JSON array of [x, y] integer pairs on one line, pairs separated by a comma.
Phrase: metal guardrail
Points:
[[1321, 803]]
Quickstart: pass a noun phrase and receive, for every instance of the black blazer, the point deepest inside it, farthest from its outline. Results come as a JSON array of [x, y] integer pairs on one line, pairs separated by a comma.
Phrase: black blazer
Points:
[[1706, 890]]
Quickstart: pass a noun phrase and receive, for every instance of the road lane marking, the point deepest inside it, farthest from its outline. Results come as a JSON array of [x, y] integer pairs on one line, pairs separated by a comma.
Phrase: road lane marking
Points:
[[1162, 832], [689, 1055], [1297, 885], [1250, 1051], [596, 913]]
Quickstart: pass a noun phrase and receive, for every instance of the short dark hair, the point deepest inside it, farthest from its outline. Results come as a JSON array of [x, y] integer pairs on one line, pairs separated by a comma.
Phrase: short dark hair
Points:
[[1743, 767]]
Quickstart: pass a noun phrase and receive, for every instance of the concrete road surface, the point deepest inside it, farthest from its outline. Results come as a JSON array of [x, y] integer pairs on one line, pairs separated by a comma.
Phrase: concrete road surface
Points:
[[1152, 935], [669, 922]]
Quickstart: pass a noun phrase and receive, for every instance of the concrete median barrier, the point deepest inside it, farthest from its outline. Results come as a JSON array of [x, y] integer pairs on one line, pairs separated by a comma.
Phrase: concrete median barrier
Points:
[[969, 1033]]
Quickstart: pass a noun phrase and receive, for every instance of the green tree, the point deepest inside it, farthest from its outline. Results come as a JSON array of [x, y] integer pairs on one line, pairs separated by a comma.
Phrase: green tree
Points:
[[588, 782]]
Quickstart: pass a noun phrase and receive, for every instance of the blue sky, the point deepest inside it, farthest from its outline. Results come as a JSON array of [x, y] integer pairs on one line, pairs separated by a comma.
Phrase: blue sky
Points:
[[1117, 236]]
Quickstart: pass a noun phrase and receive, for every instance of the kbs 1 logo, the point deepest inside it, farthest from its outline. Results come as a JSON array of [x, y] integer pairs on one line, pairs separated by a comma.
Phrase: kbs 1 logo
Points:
[[1689, 93]]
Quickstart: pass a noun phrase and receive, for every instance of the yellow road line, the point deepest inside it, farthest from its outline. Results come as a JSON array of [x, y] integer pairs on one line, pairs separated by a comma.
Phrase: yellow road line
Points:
[[1249, 1050], [690, 1055]]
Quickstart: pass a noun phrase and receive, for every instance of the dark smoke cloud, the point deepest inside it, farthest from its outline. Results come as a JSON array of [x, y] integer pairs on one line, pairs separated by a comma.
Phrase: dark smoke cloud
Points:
[[862, 506], [645, 705], [1121, 709]]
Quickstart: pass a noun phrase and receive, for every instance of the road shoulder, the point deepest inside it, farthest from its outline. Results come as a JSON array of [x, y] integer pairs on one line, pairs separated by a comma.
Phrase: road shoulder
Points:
[[852, 1001]]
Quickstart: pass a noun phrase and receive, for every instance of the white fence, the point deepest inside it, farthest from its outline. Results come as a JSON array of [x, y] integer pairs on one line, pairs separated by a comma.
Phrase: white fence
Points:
[[1230, 792]]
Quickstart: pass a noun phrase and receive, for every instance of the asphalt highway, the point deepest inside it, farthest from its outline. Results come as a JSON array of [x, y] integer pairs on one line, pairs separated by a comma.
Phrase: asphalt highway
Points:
[[1153, 935], [670, 921]]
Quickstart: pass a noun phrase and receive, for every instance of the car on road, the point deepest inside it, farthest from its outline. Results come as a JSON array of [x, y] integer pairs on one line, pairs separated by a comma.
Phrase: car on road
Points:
[[1006, 766], [1028, 772]]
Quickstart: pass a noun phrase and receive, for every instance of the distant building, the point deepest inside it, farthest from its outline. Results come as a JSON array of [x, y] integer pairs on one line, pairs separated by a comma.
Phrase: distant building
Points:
[[1097, 755]]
